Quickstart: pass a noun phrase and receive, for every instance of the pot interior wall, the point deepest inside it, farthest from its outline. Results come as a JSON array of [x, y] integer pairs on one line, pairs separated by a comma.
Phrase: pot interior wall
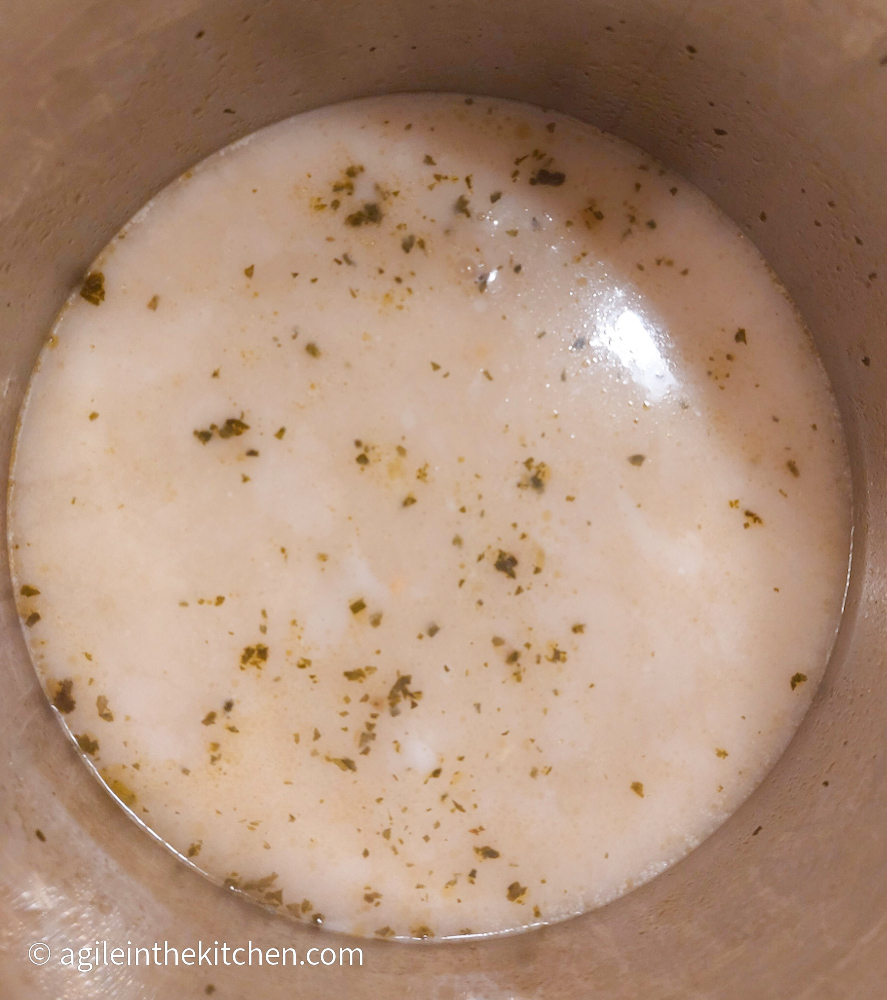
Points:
[[777, 111]]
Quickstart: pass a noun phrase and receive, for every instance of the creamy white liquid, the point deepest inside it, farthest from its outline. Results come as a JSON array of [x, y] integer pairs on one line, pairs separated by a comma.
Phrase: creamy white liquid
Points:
[[440, 526]]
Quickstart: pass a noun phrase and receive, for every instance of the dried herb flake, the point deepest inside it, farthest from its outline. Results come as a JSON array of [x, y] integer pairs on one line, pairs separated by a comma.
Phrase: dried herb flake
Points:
[[93, 288], [551, 178], [505, 563], [516, 892], [400, 692], [370, 214], [486, 852], [63, 699]]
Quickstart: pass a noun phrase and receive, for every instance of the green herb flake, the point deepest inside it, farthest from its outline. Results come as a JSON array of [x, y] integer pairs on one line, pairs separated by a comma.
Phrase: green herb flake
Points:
[[537, 476], [360, 674], [422, 931], [400, 692], [101, 704], [408, 242], [249, 271], [370, 214], [312, 349], [460, 207], [203, 436], [429, 160], [40, 835], [408, 500], [740, 337], [495, 196], [432, 630], [505, 563], [279, 434], [384, 932], [357, 606], [254, 656], [798, 679], [578, 628], [516, 892], [32, 619], [209, 719], [87, 744], [486, 852], [551, 178], [194, 849], [28, 591], [638, 788], [343, 763], [637, 460], [154, 302], [792, 467], [93, 288], [233, 427], [721, 753]]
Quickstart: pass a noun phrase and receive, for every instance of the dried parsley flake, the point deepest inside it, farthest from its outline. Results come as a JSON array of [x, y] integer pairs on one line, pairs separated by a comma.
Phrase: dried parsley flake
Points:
[[93, 288], [369, 214], [551, 178], [87, 744], [400, 692], [505, 563], [486, 852], [516, 892]]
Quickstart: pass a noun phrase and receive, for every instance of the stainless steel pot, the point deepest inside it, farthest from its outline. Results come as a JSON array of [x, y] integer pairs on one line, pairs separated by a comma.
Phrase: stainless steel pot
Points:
[[777, 109]]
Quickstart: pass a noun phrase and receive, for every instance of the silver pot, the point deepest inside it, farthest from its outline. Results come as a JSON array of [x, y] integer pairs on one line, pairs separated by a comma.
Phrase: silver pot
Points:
[[777, 109]]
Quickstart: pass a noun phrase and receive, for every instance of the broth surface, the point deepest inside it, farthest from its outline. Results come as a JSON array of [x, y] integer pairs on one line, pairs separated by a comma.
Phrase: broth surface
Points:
[[431, 517]]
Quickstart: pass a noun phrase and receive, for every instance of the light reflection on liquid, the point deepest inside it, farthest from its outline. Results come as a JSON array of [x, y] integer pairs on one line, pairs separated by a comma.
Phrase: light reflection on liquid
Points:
[[632, 340], [624, 338]]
